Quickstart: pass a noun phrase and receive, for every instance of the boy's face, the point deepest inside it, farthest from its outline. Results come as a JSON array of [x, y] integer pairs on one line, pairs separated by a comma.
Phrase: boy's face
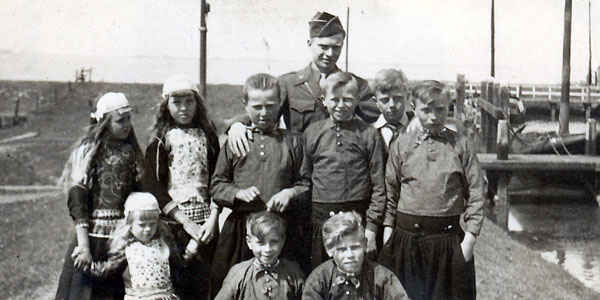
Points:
[[349, 253], [392, 104], [263, 108], [432, 115], [143, 228], [341, 102], [120, 124], [268, 249], [182, 108], [325, 51]]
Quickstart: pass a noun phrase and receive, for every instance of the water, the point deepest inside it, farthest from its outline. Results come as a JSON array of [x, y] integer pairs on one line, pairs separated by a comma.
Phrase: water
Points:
[[567, 234]]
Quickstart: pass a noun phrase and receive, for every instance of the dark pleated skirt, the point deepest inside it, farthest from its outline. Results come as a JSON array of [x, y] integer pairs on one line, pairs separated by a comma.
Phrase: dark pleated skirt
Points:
[[75, 285], [320, 213], [429, 262]]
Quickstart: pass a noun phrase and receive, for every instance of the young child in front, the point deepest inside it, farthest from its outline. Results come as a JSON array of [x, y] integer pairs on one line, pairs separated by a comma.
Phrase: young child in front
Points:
[[390, 88], [180, 161], [349, 274], [104, 168], [344, 163], [266, 178], [143, 253], [432, 179], [265, 276]]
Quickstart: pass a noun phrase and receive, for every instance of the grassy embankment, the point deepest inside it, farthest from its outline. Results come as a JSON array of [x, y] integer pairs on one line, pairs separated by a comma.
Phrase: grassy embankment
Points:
[[35, 234]]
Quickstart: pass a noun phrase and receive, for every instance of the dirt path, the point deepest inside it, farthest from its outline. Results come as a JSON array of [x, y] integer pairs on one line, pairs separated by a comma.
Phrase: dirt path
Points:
[[18, 193]]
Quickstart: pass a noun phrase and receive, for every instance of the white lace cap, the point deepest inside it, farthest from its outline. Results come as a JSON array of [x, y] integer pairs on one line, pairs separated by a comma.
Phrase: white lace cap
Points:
[[140, 201], [178, 83], [111, 102]]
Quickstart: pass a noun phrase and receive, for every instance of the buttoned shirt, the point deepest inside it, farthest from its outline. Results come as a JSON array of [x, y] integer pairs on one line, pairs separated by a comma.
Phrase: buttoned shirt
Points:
[[434, 175], [375, 281], [344, 162], [271, 165], [249, 280], [390, 131]]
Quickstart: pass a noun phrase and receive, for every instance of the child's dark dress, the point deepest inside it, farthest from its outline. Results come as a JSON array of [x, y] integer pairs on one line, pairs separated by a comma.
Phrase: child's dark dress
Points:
[[100, 205]]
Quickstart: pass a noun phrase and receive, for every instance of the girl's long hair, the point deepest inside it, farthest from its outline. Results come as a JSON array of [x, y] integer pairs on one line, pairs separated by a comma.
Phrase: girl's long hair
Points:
[[122, 236], [164, 122], [87, 146]]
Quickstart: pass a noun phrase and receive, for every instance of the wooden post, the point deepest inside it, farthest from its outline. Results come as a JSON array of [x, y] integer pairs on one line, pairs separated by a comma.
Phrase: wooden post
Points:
[[552, 112], [493, 46], [590, 137], [484, 116], [502, 140], [563, 118], [460, 102], [16, 116], [502, 203], [204, 9]]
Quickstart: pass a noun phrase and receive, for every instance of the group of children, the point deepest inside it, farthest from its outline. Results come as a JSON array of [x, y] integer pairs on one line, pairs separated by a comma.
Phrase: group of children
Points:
[[385, 196], [327, 201]]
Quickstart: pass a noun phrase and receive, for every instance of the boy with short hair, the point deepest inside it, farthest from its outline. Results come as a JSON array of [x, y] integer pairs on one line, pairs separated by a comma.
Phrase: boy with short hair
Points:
[[265, 276], [265, 179], [349, 275], [432, 178], [390, 88], [344, 161]]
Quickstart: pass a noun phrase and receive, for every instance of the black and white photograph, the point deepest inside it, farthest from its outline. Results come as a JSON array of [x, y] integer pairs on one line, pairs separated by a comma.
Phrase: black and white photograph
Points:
[[302, 150]]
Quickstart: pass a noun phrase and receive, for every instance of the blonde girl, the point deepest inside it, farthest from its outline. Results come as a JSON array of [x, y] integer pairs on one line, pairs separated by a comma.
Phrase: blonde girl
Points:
[[142, 252], [180, 161], [101, 172]]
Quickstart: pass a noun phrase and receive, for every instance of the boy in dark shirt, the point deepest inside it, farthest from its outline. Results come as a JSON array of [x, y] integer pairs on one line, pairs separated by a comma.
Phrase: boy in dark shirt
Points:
[[432, 178], [344, 161], [264, 179], [265, 276], [349, 275]]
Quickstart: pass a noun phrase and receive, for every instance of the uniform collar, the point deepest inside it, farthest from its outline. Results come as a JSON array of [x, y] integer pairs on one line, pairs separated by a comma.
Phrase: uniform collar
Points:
[[305, 74], [382, 122]]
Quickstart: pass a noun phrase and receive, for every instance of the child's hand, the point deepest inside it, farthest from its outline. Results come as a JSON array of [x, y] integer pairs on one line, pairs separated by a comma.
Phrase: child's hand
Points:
[[248, 195], [371, 245], [387, 234], [237, 139], [190, 250], [280, 201], [467, 246], [209, 229], [82, 258], [193, 229]]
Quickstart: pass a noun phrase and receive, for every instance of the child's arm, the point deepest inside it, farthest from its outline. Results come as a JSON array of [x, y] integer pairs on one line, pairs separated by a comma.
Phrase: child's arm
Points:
[[376, 210], [392, 186], [115, 264], [223, 190], [78, 209], [231, 284], [280, 201], [473, 215]]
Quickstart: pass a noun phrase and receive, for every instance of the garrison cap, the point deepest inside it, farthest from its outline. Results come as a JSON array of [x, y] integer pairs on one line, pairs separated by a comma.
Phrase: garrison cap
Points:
[[324, 24]]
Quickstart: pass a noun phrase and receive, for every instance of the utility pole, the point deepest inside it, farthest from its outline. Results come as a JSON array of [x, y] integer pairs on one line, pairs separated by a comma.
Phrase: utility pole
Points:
[[493, 46], [589, 75], [563, 115], [347, 34], [204, 9]]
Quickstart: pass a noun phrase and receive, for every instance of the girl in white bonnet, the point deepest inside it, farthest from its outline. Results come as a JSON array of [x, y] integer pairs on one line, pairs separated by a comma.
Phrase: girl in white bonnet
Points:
[[143, 253], [180, 161], [103, 169]]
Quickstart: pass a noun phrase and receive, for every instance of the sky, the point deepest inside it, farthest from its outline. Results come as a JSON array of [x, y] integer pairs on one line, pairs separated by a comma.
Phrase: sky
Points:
[[146, 41]]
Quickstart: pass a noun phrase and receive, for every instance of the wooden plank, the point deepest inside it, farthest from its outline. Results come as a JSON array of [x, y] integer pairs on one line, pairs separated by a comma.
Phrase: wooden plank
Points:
[[541, 162], [502, 143]]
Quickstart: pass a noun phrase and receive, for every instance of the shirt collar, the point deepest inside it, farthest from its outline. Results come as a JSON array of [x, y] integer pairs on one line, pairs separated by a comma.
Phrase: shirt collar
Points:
[[341, 278], [381, 122], [262, 269], [330, 123]]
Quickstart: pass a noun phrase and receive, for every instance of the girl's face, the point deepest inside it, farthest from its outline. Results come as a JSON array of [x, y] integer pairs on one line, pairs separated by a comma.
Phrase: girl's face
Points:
[[144, 226], [182, 108], [119, 125]]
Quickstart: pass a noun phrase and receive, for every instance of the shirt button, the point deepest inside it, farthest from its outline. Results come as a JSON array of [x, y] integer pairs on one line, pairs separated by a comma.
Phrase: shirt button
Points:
[[338, 135], [262, 146], [262, 153], [339, 143], [347, 292], [417, 226]]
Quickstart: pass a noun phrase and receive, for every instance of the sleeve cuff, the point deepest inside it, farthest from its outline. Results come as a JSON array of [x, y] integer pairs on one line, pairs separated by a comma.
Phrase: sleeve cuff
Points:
[[169, 207], [473, 229], [372, 226]]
